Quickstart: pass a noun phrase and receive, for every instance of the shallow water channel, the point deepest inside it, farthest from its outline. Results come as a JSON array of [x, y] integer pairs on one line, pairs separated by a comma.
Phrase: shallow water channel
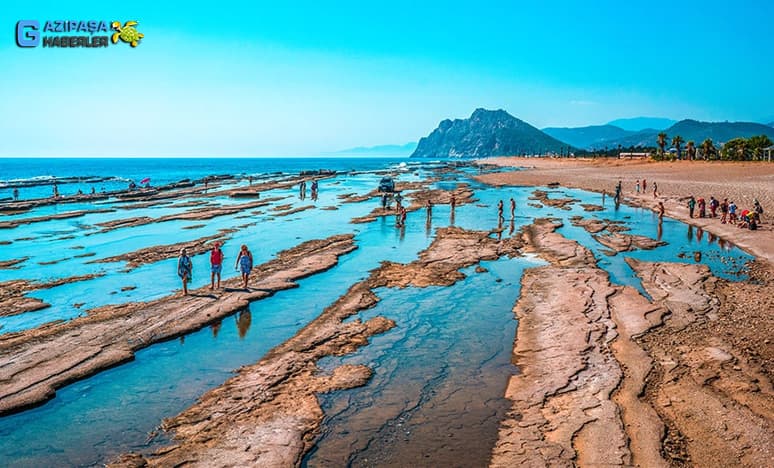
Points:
[[439, 375]]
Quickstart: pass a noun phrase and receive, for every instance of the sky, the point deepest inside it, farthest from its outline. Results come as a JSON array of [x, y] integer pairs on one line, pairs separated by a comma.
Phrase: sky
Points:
[[253, 78]]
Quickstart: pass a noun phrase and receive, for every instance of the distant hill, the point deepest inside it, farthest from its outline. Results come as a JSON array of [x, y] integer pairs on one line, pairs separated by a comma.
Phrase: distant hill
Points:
[[591, 137], [720, 132], [638, 124], [771, 124], [379, 150], [485, 133]]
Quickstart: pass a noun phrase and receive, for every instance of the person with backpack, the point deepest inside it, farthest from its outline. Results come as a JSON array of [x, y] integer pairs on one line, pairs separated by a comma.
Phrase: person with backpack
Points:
[[184, 269], [691, 206]]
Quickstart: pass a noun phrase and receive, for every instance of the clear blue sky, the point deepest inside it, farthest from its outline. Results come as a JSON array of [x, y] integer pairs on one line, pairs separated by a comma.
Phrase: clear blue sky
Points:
[[297, 78]]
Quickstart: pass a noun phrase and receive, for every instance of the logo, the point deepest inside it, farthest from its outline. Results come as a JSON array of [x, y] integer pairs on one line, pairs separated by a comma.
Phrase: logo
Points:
[[59, 33], [27, 33], [126, 33]]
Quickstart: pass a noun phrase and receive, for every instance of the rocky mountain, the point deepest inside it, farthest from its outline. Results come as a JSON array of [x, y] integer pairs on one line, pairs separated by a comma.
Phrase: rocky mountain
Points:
[[485, 133], [591, 137], [638, 124], [719, 132], [379, 150]]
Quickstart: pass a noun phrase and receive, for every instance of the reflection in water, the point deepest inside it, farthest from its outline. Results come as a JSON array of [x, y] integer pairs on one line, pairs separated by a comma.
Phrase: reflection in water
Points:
[[428, 224], [690, 233], [215, 327], [511, 227], [660, 229], [711, 238], [699, 233], [243, 322]]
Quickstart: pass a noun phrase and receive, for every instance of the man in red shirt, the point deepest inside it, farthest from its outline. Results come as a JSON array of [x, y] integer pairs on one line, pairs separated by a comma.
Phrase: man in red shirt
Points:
[[216, 262]]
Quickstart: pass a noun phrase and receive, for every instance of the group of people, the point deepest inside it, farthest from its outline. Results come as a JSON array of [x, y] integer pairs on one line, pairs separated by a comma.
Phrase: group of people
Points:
[[643, 185], [244, 264], [302, 190], [729, 212]]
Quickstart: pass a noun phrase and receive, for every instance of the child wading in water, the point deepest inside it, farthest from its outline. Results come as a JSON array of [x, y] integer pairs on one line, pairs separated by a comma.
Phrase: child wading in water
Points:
[[184, 269], [216, 264], [244, 263]]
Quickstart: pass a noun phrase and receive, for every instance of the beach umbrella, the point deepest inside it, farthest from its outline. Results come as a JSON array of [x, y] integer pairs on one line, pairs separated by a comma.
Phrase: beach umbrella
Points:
[[145, 180]]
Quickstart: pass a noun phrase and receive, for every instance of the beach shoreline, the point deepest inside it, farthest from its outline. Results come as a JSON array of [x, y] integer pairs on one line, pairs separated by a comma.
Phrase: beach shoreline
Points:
[[738, 181]]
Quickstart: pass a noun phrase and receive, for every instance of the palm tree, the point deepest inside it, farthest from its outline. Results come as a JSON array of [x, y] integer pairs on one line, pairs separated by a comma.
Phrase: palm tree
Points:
[[707, 148], [690, 150], [677, 140], [662, 139]]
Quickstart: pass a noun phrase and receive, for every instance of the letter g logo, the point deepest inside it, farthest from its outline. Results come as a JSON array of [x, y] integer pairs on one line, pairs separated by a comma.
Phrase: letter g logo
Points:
[[27, 33]]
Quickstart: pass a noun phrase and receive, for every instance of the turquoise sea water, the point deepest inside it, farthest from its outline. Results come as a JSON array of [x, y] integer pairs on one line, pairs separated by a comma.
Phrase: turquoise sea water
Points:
[[439, 375]]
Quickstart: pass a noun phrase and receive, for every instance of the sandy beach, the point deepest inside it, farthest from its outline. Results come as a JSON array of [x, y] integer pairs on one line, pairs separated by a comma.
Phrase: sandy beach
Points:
[[740, 182]]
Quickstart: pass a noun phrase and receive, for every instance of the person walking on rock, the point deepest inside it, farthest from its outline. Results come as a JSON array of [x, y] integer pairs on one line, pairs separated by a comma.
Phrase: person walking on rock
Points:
[[184, 269], [244, 263], [216, 264]]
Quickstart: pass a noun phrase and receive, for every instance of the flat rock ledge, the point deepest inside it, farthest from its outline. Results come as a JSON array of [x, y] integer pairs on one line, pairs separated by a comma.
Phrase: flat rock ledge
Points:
[[268, 414], [611, 378], [35, 362]]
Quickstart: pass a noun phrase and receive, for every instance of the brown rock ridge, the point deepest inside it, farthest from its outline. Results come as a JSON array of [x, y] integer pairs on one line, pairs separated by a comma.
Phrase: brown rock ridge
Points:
[[198, 214], [627, 242], [268, 415], [417, 200], [13, 299], [39, 219], [562, 413], [163, 252], [34, 363], [561, 203], [711, 388], [13, 264], [611, 378]]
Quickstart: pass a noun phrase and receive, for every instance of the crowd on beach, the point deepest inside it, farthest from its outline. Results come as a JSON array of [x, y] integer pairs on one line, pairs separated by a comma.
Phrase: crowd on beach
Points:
[[700, 208], [729, 212]]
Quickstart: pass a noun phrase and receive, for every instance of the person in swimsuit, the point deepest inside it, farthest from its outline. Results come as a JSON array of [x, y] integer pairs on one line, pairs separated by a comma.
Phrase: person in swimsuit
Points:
[[244, 263], [513, 208], [184, 269]]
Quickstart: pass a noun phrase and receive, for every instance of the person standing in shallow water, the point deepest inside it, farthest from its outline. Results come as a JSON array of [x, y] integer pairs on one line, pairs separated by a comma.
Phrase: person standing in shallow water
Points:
[[244, 263], [660, 210], [216, 264], [184, 269], [500, 217], [15, 194], [513, 208]]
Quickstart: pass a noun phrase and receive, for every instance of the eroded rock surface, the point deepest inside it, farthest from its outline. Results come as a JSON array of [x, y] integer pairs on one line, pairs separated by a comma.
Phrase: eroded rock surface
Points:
[[34, 363], [163, 252], [610, 377], [268, 415]]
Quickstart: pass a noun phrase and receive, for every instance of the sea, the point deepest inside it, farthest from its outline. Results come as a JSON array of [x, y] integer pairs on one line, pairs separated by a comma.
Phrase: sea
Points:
[[121, 171]]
